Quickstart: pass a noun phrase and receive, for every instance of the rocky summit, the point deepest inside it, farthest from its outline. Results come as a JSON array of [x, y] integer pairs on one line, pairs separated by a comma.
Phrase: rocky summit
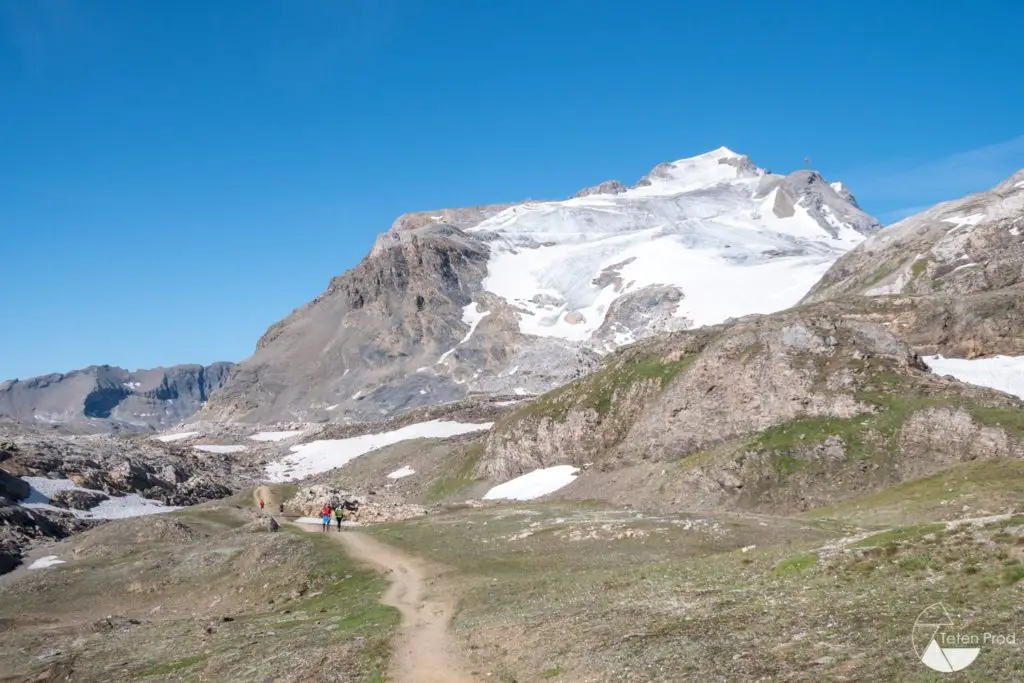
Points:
[[516, 299]]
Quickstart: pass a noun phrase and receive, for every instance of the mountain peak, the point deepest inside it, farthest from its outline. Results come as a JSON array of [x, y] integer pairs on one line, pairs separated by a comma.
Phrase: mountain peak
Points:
[[701, 171]]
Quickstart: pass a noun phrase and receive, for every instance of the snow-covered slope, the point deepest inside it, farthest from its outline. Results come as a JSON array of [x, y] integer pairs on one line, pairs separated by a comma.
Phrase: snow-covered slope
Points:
[[732, 239], [516, 299]]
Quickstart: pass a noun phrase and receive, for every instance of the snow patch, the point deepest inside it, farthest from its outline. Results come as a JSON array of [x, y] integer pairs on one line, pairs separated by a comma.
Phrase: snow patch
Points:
[[959, 221], [326, 454], [471, 315], [279, 436], [334, 407], [46, 562], [115, 507], [1003, 373], [534, 484], [403, 472], [213, 448], [168, 438]]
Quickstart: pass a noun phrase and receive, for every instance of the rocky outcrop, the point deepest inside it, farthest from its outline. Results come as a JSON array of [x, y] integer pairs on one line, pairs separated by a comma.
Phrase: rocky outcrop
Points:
[[607, 187], [957, 248], [374, 507], [21, 527], [398, 310], [782, 412], [78, 500], [12, 488], [103, 398], [171, 473]]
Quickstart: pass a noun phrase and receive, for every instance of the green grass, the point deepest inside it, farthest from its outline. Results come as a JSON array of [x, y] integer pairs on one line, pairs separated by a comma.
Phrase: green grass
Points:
[[795, 565], [997, 481], [1008, 419], [171, 667], [599, 390], [918, 267], [458, 474], [904, 533], [553, 672], [878, 276]]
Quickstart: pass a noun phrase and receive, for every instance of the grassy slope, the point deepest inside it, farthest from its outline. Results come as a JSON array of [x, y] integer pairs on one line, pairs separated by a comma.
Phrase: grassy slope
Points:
[[286, 606], [563, 592]]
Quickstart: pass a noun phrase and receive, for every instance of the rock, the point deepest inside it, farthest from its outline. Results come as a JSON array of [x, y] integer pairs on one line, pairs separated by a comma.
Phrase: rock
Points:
[[78, 500], [20, 527], [12, 487], [109, 399]]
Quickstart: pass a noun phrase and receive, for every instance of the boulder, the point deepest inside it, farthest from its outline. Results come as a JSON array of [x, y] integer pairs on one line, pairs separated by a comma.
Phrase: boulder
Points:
[[78, 500], [12, 487]]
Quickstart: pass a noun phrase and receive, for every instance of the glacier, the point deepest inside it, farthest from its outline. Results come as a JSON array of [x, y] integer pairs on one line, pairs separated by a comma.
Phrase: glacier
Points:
[[732, 238]]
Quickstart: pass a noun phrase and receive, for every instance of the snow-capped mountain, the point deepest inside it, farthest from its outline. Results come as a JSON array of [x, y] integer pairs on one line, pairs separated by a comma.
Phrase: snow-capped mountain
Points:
[[519, 298], [726, 237]]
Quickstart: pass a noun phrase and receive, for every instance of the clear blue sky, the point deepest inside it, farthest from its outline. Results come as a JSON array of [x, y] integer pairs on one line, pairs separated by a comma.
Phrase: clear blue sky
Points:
[[176, 176]]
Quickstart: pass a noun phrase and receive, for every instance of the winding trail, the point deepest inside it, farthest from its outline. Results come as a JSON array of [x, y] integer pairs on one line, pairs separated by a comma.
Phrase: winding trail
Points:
[[424, 651]]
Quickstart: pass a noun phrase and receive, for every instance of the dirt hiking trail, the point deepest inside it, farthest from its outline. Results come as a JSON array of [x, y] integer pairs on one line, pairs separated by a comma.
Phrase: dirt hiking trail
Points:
[[269, 499], [424, 651]]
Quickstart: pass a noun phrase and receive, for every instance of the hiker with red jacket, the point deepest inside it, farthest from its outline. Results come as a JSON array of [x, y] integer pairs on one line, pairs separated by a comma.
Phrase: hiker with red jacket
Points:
[[261, 506], [325, 517]]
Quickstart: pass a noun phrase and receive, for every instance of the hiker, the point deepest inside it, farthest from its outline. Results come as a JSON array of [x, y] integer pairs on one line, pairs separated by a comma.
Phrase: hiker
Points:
[[280, 508], [325, 514], [274, 526], [261, 505], [339, 514]]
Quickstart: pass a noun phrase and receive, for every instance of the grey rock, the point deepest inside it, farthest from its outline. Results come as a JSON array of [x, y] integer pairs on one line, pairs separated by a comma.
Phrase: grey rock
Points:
[[607, 187], [78, 500], [103, 398], [12, 487]]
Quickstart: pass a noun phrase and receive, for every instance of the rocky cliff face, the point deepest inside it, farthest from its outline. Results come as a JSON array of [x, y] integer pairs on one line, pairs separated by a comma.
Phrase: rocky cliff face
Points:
[[104, 398], [521, 298], [957, 248], [782, 412]]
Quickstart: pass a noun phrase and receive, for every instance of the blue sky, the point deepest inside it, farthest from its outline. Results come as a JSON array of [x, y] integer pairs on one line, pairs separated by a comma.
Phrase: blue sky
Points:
[[176, 176]]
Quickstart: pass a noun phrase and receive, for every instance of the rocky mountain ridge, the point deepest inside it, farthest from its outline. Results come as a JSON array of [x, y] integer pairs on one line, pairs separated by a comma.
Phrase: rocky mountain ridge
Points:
[[956, 248], [102, 398], [521, 298]]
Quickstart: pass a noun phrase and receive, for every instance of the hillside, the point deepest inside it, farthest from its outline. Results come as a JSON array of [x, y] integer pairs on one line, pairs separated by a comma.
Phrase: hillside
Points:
[[779, 413], [521, 298]]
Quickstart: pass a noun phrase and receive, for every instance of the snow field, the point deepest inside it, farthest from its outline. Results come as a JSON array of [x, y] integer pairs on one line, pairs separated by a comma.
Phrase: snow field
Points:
[[169, 438], [322, 455], [116, 507], [279, 436], [1003, 373], [214, 448], [534, 484]]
